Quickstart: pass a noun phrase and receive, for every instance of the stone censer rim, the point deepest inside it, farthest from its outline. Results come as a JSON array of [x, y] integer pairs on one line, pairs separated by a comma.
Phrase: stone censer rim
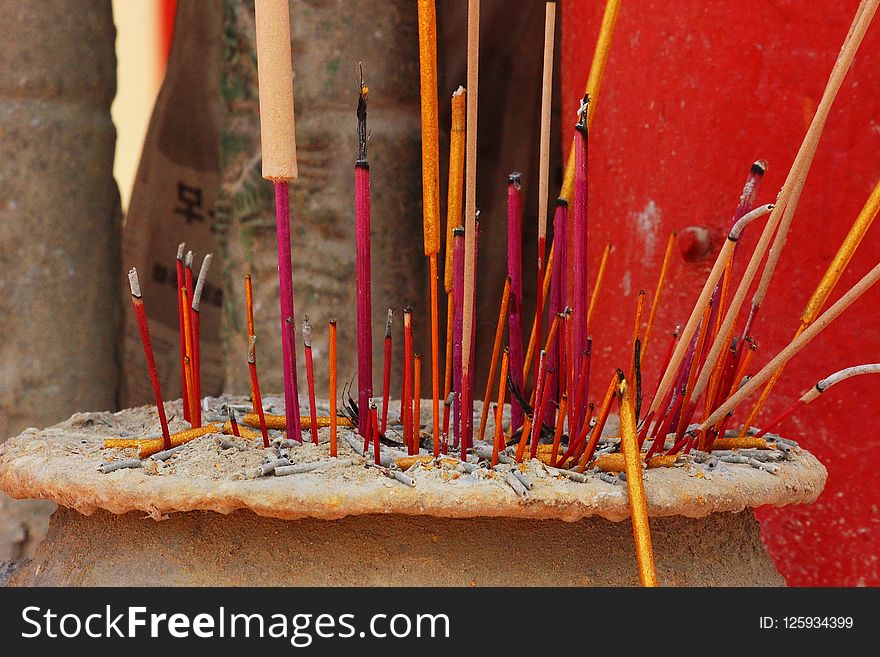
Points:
[[39, 464]]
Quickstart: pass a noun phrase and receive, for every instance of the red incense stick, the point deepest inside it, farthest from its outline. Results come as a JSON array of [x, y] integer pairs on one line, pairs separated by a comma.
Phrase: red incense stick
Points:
[[141, 315], [310, 377], [364, 295], [181, 282], [407, 378], [233, 423], [255, 384], [386, 370], [333, 407]]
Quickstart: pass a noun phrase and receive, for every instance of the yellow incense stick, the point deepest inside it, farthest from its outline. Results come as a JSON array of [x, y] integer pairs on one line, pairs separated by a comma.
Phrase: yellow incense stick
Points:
[[594, 82], [629, 444], [594, 297], [829, 280], [658, 293]]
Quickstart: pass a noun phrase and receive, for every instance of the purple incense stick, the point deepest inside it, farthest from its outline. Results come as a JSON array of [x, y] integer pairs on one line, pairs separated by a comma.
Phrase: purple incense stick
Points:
[[514, 270], [362, 258], [457, 330], [285, 294]]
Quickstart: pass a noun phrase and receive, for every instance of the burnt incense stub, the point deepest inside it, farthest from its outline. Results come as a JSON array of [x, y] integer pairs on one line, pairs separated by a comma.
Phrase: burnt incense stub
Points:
[[62, 463]]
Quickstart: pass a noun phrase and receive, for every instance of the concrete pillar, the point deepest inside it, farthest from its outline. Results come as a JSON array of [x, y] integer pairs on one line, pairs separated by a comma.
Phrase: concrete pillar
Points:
[[59, 218]]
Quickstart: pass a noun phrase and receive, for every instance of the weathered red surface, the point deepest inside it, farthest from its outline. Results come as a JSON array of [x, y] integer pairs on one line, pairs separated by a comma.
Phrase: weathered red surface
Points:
[[693, 93]]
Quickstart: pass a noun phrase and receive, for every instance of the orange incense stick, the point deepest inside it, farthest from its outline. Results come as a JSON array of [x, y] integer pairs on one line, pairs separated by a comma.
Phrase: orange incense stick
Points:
[[255, 384], [496, 349], [141, 315], [536, 329], [597, 430], [658, 292], [310, 377], [417, 403], [195, 403], [181, 282], [498, 442], [532, 417], [560, 422], [431, 182], [332, 395], [196, 316], [386, 370], [640, 303], [190, 386], [249, 308], [594, 297]]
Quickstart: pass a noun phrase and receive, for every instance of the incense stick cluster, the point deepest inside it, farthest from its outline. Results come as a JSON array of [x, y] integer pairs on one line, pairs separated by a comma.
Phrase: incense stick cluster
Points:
[[555, 412]]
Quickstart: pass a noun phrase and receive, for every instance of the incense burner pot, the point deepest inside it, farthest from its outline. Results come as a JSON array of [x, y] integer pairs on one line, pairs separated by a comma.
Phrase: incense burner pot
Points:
[[202, 517]]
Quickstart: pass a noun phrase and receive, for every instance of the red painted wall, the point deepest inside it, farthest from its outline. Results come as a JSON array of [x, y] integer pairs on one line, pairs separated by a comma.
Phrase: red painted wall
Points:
[[693, 94]]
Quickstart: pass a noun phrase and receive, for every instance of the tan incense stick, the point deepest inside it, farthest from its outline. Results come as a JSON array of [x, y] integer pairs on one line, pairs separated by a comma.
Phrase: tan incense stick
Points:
[[470, 203]]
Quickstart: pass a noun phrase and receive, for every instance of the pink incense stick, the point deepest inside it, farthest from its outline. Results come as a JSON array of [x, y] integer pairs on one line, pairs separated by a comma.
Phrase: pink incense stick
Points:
[[514, 271], [557, 304], [469, 416], [457, 330], [580, 253], [364, 295], [285, 296]]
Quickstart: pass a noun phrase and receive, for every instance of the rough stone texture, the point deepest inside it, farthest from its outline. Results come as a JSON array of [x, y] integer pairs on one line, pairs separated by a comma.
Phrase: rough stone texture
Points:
[[59, 223], [61, 463], [202, 548], [328, 40]]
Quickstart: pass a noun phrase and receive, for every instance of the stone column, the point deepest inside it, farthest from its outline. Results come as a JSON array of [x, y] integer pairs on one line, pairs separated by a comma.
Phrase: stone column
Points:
[[59, 221]]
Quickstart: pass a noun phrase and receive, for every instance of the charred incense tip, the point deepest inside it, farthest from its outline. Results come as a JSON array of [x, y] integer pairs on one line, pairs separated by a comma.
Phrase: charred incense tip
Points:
[[677, 330], [188, 263], [200, 283], [180, 249], [458, 231], [620, 376], [759, 168], [561, 203], [581, 124], [362, 117], [333, 321], [388, 322], [515, 179], [459, 91], [252, 350], [307, 332], [133, 283]]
